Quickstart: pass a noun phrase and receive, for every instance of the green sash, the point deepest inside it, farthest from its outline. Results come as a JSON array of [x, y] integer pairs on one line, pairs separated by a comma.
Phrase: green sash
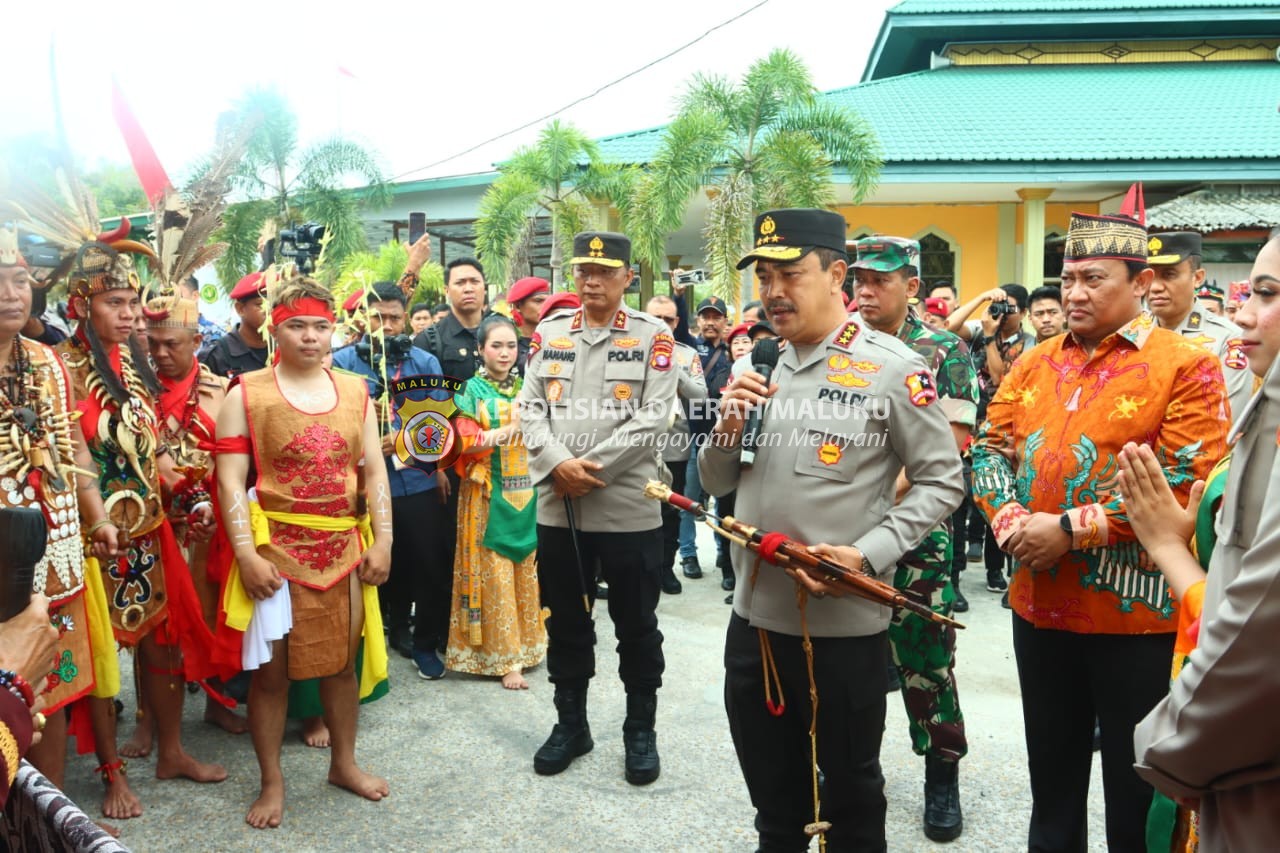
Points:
[[1205, 538], [513, 507]]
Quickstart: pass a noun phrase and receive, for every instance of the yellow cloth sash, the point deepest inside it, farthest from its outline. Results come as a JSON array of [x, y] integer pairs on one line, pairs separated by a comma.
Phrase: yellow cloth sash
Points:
[[239, 606], [106, 662]]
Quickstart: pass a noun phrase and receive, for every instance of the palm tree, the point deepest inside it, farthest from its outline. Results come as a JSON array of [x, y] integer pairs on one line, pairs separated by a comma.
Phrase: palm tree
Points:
[[558, 177], [360, 270], [763, 143], [285, 184]]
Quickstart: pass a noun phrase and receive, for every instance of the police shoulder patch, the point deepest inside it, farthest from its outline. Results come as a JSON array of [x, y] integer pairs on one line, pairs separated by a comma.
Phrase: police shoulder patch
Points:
[[1235, 357], [921, 388], [660, 350], [535, 344]]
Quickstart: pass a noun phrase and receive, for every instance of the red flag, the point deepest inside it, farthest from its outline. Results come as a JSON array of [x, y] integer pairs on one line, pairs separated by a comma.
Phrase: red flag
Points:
[[345, 72], [151, 173], [1135, 207]]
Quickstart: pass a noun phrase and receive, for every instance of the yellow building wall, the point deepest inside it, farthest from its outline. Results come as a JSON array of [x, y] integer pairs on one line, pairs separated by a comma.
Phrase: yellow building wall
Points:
[[972, 229], [1058, 216]]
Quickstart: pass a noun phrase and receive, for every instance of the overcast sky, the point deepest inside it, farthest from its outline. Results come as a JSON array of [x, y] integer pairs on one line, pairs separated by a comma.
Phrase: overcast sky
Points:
[[431, 79]]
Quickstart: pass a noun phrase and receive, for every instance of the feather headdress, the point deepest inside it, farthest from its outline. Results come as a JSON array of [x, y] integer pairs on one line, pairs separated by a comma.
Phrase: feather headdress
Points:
[[94, 260], [184, 221]]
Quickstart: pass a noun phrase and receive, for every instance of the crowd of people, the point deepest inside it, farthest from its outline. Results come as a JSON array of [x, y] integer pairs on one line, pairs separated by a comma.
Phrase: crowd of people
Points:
[[249, 515]]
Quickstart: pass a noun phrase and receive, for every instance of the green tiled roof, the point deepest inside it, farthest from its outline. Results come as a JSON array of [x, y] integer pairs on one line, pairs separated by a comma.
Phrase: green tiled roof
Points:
[[932, 7], [1039, 114]]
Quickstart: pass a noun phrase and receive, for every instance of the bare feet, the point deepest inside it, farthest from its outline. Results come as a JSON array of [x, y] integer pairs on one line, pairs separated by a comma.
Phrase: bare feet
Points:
[[120, 803], [315, 732], [357, 781], [139, 746], [186, 767], [514, 680], [225, 719], [268, 810]]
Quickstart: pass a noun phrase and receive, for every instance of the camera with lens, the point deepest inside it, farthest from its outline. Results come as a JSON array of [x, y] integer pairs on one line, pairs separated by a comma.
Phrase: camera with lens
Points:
[[691, 277], [302, 244], [38, 253], [1001, 309], [394, 350]]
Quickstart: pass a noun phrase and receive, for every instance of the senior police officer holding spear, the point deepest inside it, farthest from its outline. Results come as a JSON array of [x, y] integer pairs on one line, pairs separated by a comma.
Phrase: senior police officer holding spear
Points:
[[824, 471], [598, 393]]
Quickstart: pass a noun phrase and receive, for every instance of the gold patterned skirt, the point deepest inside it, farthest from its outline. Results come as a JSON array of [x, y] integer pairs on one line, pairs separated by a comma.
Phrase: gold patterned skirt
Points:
[[506, 631]]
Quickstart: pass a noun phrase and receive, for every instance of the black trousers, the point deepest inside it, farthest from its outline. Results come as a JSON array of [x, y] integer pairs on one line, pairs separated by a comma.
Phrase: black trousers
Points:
[[671, 515], [421, 571], [629, 564], [960, 527], [774, 754], [1067, 680], [724, 506]]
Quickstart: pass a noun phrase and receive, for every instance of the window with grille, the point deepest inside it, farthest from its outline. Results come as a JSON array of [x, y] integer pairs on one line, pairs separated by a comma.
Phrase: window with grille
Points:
[[937, 261]]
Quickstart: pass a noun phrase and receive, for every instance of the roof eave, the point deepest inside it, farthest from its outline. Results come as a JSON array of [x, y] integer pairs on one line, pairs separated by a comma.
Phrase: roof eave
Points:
[[1067, 171], [906, 40]]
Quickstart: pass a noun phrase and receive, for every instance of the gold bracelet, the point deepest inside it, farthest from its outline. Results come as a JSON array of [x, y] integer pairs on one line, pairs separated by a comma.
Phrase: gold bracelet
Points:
[[98, 525]]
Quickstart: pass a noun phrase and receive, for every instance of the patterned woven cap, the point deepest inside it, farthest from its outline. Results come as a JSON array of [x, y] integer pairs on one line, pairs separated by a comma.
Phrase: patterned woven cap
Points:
[[99, 268], [172, 312], [1100, 237]]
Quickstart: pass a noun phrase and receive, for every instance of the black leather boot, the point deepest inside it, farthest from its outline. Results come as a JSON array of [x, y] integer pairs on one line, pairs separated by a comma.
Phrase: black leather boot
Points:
[[639, 739], [570, 737], [670, 583], [943, 820], [961, 604]]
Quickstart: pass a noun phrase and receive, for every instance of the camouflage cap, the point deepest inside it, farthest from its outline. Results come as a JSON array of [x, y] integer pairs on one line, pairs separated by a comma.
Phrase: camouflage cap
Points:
[[886, 254]]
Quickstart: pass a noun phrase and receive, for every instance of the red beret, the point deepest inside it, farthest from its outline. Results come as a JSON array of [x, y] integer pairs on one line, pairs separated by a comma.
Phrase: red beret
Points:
[[742, 329], [563, 299], [251, 285], [526, 287], [936, 305], [353, 301]]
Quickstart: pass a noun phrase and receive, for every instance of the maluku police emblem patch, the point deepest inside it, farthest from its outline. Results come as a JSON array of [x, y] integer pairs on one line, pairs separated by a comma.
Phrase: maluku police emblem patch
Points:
[[427, 438]]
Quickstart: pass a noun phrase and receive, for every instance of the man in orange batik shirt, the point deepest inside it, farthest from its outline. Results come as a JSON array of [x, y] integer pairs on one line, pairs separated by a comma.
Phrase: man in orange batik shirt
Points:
[[1094, 622]]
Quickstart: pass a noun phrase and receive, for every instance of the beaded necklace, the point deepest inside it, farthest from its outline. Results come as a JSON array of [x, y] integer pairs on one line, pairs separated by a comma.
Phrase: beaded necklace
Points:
[[507, 387], [19, 397]]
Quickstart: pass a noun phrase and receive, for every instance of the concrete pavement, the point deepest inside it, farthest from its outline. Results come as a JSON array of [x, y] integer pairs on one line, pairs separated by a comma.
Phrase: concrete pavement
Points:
[[458, 754]]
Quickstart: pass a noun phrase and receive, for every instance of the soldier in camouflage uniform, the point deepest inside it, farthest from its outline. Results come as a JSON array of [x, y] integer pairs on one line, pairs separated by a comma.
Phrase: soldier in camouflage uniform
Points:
[[924, 652]]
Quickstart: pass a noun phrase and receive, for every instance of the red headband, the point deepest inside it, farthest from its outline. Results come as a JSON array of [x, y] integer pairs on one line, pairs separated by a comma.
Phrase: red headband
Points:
[[307, 306]]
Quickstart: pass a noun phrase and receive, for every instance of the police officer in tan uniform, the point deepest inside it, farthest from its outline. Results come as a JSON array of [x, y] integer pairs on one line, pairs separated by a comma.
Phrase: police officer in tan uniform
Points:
[[597, 399], [848, 408], [692, 392], [1175, 258]]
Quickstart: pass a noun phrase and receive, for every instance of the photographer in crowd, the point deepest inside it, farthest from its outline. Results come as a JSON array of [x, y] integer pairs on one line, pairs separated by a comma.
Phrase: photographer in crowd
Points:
[[420, 574]]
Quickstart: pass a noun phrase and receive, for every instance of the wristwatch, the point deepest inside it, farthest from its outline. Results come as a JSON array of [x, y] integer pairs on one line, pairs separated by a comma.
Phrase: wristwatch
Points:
[[1064, 521], [866, 567]]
